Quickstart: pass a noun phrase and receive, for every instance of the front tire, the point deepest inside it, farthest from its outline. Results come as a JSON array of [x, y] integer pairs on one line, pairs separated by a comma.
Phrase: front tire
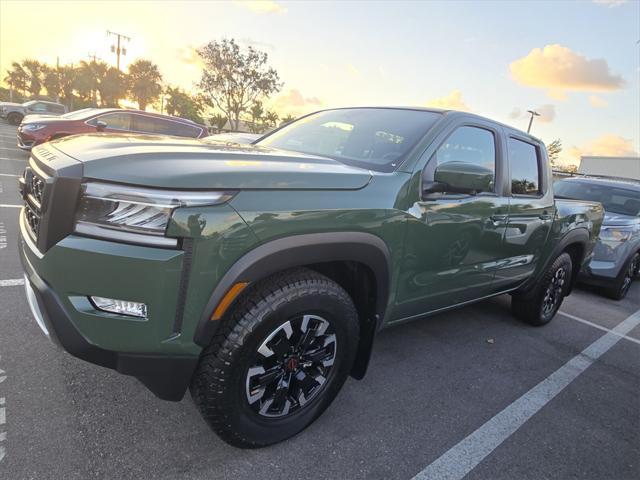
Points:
[[541, 305], [280, 359], [622, 284], [14, 118]]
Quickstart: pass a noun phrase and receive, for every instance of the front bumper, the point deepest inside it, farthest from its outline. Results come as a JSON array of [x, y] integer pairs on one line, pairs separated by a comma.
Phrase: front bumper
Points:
[[54, 293], [24, 141]]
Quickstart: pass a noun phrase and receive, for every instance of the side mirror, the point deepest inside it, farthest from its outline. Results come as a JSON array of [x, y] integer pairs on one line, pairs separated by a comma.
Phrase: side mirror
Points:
[[461, 177], [100, 125]]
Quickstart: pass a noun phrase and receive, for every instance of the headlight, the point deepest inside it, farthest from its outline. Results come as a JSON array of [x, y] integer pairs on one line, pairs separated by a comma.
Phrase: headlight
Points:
[[32, 127], [615, 234], [135, 214]]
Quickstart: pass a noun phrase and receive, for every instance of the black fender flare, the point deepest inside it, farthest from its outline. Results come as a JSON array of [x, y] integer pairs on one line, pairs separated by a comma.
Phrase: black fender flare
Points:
[[299, 250], [579, 236]]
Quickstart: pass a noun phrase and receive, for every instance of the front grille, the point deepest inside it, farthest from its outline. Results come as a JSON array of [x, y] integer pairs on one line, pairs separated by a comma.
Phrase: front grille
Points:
[[36, 188], [34, 198]]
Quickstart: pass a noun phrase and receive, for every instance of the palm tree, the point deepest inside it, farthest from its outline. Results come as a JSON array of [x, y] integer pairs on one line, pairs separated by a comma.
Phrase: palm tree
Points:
[[288, 119], [51, 82], [112, 87], [256, 112], [67, 77], [34, 72], [16, 79], [271, 118], [144, 82], [88, 78]]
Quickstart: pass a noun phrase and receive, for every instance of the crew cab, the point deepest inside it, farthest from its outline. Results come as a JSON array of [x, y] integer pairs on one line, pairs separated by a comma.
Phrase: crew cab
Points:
[[35, 130], [258, 276]]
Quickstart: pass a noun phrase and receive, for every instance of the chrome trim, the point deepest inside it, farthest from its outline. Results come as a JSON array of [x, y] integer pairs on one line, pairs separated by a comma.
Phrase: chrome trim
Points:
[[101, 233]]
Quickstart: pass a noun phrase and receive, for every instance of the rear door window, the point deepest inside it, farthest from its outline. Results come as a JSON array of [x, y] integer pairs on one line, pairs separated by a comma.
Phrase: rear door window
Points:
[[524, 161], [114, 121]]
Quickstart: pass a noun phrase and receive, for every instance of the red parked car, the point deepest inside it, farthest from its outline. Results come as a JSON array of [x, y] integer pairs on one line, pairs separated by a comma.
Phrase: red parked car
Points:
[[36, 129]]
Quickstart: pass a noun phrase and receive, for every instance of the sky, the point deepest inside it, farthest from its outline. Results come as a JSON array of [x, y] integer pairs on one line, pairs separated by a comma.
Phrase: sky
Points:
[[575, 62]]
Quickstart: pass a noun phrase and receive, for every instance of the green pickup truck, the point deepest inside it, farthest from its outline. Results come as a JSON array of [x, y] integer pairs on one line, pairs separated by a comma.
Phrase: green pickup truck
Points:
[[258, 276]]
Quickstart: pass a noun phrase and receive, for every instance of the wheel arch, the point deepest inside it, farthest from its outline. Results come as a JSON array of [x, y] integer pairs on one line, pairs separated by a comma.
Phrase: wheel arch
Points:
[[357, 261]]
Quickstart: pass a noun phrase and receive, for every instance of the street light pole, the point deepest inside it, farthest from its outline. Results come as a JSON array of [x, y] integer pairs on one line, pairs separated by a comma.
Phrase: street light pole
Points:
[[533, 114], [117, 49]]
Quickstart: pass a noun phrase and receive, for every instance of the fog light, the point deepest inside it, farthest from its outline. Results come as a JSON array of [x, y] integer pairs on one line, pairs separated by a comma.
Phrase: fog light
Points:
[[121, 307]]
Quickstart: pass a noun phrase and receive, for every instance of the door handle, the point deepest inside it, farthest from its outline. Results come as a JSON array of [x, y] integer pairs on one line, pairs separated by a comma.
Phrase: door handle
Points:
[[545, 217], [496, 219]]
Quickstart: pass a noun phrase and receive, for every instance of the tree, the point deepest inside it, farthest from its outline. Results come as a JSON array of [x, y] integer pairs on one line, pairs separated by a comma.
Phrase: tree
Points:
[[89, 75], [233, 79], [553, 150], [33, 69], [17, 79], [271, 119], [112, 87], [288, 119], [219, 121], [183, 105], [51, 82], [67, 77], [144, 81], [256, 112]]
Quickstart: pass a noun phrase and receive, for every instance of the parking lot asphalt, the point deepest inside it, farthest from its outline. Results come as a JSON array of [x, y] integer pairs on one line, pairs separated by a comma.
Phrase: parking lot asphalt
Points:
[[435, 387]]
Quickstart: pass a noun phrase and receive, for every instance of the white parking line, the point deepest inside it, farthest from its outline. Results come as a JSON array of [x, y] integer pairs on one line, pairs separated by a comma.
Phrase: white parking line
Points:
[[8, 175], [466, 455], [599, 327], [12, 282], [7, 205]]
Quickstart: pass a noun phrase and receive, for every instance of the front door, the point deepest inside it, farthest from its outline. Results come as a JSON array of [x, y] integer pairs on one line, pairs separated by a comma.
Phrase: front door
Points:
[[454, 241]]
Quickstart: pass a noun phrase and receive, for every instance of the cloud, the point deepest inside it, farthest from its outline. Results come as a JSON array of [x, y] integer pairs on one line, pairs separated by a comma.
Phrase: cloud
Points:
[[263, 6], [295, 103], [189, 55], [558, 69], [598, 102], [608, 145], [453, 101], [547, 113], [610, 3]]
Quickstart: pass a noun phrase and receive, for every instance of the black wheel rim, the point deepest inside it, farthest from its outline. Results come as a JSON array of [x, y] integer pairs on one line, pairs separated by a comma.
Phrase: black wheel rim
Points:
[[553, 293], [291, 366], [628, 276]]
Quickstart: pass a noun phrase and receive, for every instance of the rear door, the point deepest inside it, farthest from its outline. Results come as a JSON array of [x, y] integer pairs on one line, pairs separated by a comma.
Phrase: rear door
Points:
[[531, 209]]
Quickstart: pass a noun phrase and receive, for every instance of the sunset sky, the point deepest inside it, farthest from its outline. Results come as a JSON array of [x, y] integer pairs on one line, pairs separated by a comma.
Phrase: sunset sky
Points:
[[576, 62]]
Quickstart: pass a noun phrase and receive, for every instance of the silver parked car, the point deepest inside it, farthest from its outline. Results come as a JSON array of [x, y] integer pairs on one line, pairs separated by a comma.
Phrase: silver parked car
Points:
[[15, 112], [616, 260]]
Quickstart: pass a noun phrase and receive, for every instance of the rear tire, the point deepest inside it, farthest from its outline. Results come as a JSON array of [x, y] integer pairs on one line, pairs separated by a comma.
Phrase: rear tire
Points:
[[622, 284], [14, 118], [278, 361], [540, 306]]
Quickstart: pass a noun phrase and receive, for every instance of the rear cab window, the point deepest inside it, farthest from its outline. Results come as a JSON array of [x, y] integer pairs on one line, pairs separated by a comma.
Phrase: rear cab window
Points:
[[526, 168]]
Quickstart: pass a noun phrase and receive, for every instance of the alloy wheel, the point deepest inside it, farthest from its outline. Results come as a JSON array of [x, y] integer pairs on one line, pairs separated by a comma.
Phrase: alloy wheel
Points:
[[291, 366], [553, 293]]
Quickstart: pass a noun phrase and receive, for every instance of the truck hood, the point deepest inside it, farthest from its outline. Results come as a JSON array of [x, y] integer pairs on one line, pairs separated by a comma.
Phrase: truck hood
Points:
[[619, 219], [171, 162]]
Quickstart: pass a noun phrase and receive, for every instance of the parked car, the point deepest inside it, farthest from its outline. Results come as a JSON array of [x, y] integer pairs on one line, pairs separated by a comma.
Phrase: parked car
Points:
[[36, 130], [15, 112], [234, 137], [259, 275], [616, 260]]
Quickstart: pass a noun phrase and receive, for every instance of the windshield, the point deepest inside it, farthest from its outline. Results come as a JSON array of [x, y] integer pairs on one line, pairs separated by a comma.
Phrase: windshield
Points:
[[372, 138], [85, 112], [613, 199]]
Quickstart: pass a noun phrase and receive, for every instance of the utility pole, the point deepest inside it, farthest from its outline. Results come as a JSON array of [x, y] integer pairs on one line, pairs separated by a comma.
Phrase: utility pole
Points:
[[117, 48], [93, 56], [533, 114]]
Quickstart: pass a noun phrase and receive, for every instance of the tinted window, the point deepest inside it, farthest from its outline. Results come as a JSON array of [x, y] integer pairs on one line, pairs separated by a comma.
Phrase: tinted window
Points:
[[116, 121], [525, 168], [55, 108], [615, 200], [469, 145], [375, 138], [183, 130], [145, 124], [38, 107], [142, 123]]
